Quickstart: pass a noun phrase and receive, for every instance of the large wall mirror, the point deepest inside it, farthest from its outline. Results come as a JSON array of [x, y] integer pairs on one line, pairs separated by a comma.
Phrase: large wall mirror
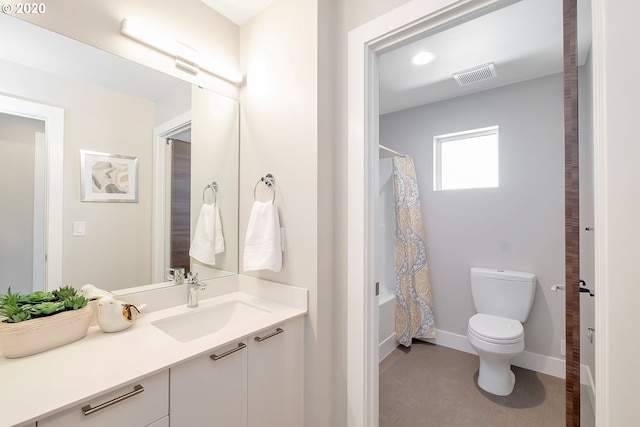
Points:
[[184, 138]]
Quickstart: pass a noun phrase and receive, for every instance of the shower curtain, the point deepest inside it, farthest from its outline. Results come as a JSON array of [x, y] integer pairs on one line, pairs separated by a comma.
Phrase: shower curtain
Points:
[[414, 309]]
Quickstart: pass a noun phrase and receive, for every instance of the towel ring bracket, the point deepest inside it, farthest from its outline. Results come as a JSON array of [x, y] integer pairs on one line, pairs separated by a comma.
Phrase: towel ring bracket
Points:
[[214, 189], [269, 181]]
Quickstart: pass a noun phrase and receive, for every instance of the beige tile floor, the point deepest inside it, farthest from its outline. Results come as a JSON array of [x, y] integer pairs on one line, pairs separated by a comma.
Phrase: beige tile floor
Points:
[[429, 385]]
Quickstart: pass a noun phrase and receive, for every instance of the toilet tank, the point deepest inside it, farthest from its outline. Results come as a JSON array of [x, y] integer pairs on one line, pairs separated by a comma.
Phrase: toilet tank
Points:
[[502, 292]]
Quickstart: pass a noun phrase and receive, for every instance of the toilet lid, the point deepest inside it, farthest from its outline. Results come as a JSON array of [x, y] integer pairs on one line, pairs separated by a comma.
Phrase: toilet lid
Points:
[[495, 329]]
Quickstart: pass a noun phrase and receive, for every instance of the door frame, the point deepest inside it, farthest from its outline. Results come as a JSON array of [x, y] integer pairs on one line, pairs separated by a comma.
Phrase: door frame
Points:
[[365, 43]]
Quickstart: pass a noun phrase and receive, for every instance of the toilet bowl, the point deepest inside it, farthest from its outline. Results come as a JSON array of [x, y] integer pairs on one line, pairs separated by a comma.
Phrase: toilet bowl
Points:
[[503, 300], [497, 340]]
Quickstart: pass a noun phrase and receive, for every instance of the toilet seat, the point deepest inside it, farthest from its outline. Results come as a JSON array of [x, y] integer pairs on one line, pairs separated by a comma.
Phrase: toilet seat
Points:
[[495, 329]]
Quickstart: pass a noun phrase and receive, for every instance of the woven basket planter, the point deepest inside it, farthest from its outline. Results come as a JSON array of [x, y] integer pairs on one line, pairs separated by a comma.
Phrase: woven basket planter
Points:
[[44, 333]]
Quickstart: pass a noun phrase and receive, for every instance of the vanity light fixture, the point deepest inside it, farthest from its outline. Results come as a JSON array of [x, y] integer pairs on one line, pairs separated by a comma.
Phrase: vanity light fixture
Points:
[[187, 58], [423, 58]]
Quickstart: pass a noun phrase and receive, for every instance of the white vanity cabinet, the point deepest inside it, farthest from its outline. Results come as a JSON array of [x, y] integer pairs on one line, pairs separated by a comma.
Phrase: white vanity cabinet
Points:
[[138, 404], [256, 382], [211, 390], [276, 376]]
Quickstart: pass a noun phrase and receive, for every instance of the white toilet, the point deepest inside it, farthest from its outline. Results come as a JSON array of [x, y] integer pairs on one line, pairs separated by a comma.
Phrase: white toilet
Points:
[[503, 300]]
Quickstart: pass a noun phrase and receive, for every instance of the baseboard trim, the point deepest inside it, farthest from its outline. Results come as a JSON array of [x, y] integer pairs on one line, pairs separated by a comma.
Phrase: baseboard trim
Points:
[[528, 360], [387, 346]]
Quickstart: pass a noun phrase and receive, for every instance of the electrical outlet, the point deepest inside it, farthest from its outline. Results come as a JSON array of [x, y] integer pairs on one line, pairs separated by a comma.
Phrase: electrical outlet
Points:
[[563, 348]]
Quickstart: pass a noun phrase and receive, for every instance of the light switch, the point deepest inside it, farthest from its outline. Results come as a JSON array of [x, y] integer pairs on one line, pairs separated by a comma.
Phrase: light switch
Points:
[[79, 228]]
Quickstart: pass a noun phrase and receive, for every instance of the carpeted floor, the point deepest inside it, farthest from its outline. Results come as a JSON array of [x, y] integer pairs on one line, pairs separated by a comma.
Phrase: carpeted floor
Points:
[[434, 386]]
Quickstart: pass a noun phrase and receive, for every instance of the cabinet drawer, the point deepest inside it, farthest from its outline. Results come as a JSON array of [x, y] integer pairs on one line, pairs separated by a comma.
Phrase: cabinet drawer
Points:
[[137, 404]]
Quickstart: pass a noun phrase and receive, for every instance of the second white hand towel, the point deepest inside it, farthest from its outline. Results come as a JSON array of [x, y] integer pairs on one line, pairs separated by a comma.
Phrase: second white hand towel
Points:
[[262, 246], [208, 239]]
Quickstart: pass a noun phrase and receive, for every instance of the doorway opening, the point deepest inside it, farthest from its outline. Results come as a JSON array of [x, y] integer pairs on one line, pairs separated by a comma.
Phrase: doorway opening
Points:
[[48, 201], [382, 35], [171, 196], [180, 210]]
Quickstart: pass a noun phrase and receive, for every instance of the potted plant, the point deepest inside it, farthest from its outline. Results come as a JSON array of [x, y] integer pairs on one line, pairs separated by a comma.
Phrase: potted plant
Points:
[[41, 320]]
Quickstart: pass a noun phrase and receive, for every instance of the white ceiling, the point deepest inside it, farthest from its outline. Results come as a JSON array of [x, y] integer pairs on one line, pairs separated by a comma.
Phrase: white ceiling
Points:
[[238, 11], [524, 40]]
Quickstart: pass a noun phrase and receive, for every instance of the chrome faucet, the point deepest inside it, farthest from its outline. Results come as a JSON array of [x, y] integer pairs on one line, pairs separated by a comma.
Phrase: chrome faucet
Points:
[[193, 286], [176, 275]]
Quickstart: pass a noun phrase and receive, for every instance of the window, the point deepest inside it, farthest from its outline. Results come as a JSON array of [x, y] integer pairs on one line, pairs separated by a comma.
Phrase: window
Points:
[[466, 159]]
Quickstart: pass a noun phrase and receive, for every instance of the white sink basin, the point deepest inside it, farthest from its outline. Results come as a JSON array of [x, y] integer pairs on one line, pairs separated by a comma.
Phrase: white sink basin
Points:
[[203, 321]]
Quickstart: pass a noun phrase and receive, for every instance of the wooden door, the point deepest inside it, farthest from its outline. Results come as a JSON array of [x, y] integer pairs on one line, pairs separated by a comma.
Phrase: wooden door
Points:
[[180, 204], [572, 215]]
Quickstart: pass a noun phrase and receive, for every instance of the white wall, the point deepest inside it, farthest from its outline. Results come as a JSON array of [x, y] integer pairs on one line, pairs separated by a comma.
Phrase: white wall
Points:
[[349, 14], [617, 204], [214, 157], [283, 103], [173, 103], [587, 238], [518, 226], [17, 148]]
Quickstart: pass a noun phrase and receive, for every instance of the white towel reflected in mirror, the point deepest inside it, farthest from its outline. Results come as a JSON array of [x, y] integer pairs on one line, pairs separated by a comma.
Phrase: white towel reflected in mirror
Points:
[[208, 239]]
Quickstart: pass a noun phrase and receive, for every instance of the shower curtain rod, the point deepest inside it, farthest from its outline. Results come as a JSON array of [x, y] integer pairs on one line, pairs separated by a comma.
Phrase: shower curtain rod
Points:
[[391, 151]]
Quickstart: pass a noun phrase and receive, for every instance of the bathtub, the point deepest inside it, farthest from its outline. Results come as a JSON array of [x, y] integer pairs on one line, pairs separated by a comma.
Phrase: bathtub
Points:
[[387, 317]]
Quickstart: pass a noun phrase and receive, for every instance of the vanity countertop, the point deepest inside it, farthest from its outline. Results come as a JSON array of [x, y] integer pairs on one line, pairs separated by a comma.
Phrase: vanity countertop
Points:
[[39, 385]]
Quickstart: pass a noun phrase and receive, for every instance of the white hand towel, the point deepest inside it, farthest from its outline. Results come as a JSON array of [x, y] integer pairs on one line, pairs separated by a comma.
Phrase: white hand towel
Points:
[[208, 239], [262, 247]]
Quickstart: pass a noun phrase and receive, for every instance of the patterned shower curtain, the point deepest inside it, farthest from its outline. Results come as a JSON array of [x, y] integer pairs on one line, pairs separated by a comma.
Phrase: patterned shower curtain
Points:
[[414, 308]]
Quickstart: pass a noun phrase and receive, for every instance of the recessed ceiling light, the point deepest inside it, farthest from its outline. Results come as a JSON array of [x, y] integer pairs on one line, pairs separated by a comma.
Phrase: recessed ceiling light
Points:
[[423, 58]]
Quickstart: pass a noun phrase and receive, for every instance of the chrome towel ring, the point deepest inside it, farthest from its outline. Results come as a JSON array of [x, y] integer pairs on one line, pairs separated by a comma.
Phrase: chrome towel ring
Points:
[[214, 189], [269, 181]]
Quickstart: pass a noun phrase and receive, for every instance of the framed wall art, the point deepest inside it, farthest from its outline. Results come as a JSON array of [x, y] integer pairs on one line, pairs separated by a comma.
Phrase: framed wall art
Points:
[[108, 177]]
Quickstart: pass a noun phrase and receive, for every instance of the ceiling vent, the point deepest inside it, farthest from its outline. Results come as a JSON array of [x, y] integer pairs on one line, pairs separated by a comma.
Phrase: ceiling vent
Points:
[[475, 74]]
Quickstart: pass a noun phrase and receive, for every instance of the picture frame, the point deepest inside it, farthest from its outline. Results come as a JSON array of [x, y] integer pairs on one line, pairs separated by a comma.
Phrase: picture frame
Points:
[[108, 177]]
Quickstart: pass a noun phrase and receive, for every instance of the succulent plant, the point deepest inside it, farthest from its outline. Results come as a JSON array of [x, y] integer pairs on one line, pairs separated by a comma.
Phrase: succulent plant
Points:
[[75, 302], [17, 308], [40, 296], [10, 298], [15, 313], [65, 292], [46, 308]]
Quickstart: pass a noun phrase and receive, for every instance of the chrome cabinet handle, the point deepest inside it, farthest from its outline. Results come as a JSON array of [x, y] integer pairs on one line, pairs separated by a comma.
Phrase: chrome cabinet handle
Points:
[[226, 353], [272, 334], [88, 410]]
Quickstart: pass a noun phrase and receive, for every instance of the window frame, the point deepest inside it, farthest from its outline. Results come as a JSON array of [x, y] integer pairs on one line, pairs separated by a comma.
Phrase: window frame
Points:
[[438, 140]]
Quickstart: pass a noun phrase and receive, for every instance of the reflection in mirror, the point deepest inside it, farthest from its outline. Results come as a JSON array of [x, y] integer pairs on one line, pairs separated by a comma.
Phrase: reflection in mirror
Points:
[[112, 105], [22, 141]]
